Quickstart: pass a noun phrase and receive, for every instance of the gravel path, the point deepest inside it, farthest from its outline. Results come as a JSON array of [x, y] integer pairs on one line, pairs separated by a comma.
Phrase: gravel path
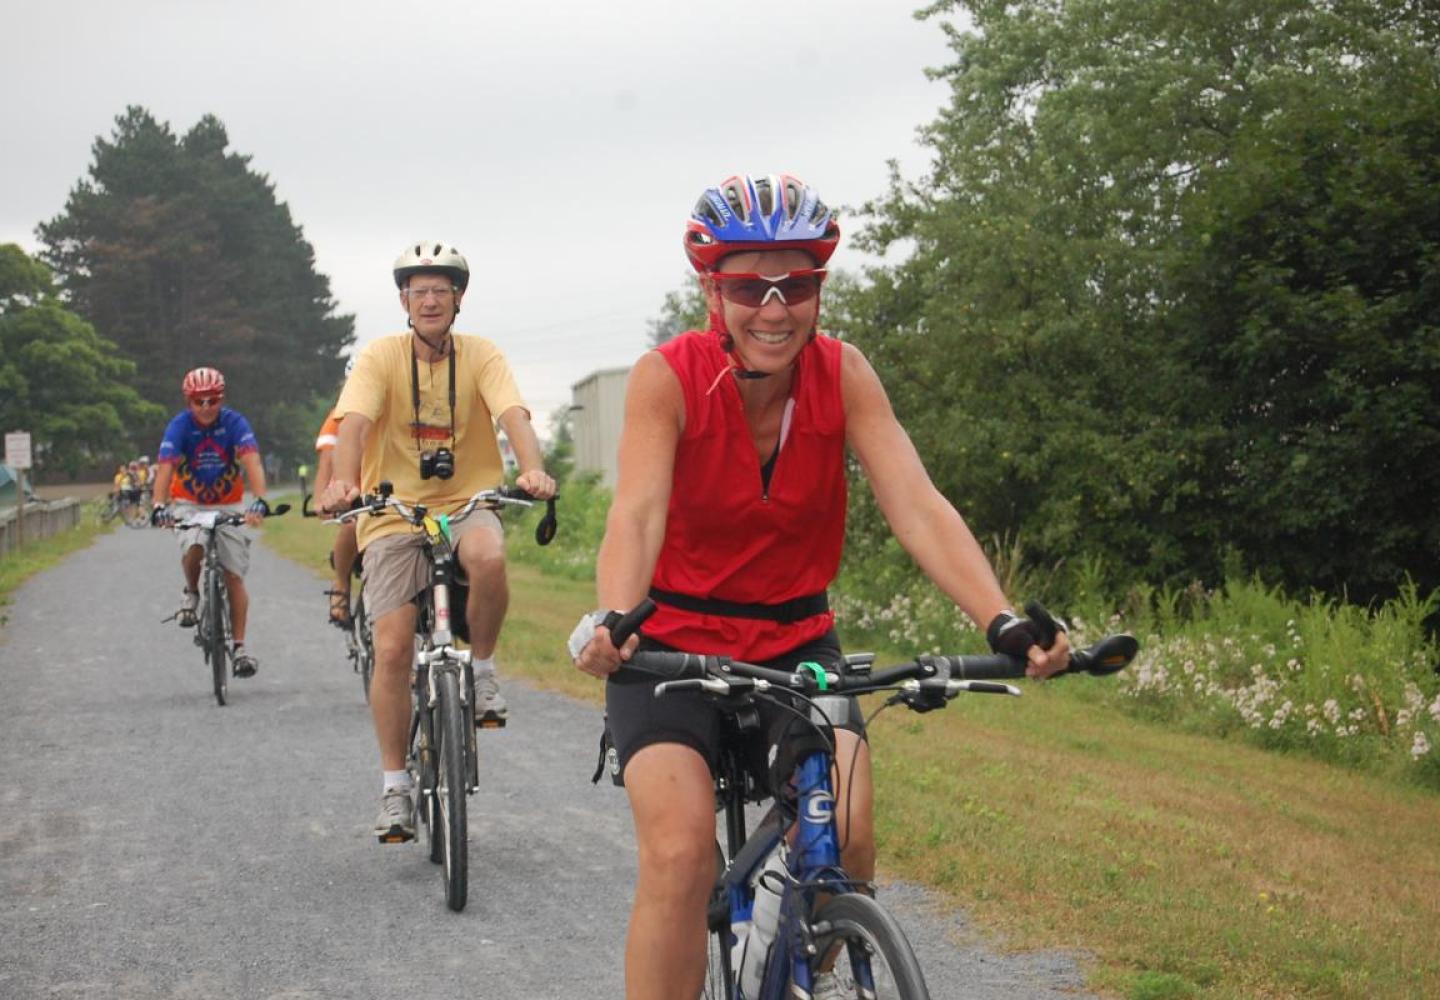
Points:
[[156, 845]]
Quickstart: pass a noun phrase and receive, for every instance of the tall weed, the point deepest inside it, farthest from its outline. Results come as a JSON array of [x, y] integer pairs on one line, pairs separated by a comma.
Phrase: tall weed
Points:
[[580, 515]]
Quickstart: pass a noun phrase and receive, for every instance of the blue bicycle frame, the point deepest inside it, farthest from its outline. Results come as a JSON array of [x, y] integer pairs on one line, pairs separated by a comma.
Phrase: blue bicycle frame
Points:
[[813, 866]]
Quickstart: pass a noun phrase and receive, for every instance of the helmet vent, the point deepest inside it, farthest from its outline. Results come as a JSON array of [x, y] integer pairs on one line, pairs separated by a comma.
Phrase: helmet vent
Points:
[[766, 194]]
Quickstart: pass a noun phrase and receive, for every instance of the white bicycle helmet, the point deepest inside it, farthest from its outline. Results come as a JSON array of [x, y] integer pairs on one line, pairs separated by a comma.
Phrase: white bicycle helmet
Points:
[[435, 257]]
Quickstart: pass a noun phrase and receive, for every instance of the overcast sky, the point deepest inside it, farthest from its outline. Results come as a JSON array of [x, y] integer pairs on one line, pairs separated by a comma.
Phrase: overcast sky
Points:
[[558, 144]]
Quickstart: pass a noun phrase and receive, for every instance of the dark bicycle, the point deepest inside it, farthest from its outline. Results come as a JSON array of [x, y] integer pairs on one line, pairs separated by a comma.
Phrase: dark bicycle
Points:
[[443, 758], [212, 615], [783, 909], [359, 638]]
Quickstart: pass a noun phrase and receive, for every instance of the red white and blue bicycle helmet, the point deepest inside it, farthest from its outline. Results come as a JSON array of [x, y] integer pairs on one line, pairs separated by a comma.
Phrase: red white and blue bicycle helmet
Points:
[[775, 212]]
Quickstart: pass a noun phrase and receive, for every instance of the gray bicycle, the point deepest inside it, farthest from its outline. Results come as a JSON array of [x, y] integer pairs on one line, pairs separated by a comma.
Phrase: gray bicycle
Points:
[[443, 757]]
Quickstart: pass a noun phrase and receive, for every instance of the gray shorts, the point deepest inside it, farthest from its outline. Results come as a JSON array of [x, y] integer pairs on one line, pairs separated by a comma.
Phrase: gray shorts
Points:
[[394, 568], [232, 544]]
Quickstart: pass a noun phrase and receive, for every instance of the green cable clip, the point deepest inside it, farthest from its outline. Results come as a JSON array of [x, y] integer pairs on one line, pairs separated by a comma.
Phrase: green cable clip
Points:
[[444, 521], [821, 679]]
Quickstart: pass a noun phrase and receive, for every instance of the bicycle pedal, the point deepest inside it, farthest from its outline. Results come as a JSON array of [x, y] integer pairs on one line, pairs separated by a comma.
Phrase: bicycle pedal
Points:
[[395, 837], [490, 722]]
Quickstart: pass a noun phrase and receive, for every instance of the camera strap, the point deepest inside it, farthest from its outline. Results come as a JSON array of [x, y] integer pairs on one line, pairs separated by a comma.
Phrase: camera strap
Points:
[[415, 392]]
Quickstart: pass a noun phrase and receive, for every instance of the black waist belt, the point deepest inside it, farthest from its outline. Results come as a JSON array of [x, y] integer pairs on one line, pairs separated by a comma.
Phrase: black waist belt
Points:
[[785, 612]]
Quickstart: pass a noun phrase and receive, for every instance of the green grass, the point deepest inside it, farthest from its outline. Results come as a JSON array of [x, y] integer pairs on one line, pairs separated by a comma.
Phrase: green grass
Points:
[[1182, 865], [21, 565]]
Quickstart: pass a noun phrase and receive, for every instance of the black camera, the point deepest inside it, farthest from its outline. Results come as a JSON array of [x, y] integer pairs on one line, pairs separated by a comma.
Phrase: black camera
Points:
[[437, 464]]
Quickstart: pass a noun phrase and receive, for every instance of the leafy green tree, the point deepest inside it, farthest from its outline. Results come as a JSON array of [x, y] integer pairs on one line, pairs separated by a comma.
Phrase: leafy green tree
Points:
[[180, 253], [60, 380], [560, 449], [1172, 275], [683, 309]]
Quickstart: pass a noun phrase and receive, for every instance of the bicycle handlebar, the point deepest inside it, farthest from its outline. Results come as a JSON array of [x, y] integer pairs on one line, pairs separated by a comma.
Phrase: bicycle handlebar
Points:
[[952, 674], [415, 513], [235, 518]]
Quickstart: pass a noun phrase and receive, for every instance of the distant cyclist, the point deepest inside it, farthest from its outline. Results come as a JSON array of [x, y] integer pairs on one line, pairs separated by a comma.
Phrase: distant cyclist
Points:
[[420, 410], [121, 483], [343, 552], [146, 481], [205, 449], [730, 514]]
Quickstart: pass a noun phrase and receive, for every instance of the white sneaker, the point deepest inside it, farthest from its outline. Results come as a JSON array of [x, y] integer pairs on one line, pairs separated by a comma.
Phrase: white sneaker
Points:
[[491, 712], [396, 823]]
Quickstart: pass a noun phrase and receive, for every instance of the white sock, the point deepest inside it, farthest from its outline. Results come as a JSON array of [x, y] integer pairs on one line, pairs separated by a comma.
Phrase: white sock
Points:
[[485, 667], [398, 781]]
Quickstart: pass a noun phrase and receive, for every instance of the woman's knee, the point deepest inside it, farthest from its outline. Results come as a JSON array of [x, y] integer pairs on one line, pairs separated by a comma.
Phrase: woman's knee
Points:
[[672, 799]]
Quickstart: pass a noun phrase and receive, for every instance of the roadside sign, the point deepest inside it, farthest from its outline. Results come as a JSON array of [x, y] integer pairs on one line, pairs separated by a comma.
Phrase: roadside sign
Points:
[[17, 449]]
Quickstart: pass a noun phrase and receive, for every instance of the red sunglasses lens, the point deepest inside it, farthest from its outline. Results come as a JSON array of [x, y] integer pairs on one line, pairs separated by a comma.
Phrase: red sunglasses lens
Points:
[[751, 292]]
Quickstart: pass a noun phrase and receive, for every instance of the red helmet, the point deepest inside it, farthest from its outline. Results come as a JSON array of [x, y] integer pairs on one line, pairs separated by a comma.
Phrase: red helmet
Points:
[[203, 382]]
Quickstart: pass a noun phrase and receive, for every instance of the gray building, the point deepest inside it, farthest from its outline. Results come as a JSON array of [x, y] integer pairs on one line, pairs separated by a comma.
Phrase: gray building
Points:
[[597, 412]]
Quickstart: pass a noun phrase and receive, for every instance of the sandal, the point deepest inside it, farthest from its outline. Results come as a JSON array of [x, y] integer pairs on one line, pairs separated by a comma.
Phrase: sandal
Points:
[[339, 608]]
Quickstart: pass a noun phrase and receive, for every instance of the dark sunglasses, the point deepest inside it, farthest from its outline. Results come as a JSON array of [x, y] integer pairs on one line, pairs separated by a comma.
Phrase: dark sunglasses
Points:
[[207, 400], [754, 290]]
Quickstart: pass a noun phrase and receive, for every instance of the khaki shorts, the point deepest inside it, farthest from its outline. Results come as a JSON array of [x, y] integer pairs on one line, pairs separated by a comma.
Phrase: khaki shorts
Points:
[[394, 569], [232, 544]]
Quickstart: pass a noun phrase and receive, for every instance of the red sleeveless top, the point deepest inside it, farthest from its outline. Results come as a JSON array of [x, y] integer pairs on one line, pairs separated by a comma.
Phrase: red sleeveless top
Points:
[[727, 536]]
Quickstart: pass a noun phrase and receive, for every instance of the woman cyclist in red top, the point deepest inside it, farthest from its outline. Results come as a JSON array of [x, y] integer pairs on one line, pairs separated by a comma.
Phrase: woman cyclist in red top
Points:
[[730, 513]]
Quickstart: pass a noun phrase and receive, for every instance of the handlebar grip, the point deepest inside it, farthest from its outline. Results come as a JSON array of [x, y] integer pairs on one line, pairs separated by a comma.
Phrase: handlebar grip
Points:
[[996, 666], [671, 666], [631, 621], [513, 493], [1110, 654], [545, 530]]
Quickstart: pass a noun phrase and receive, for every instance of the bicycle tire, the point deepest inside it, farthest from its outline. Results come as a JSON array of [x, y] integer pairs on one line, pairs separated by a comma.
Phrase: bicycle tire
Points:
[[719, 976], [364, 643], [216, 615], [864, 939], [450, 790], [422, 766]]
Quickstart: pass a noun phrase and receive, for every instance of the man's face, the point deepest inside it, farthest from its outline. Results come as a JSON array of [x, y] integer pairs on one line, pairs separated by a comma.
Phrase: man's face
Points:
[[206, 407], [432, 302]]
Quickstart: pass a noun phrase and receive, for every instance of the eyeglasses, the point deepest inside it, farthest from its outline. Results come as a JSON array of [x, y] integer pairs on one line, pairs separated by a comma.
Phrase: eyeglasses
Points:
[[754, 290], [442, 293], [206, 400]]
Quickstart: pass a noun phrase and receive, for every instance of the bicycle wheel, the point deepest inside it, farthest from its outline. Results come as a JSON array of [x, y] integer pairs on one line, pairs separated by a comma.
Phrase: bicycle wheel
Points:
[[719, 976], [364, 642], [422, 766], [871, 955], [216, 625], [450, 789], [136, 516]]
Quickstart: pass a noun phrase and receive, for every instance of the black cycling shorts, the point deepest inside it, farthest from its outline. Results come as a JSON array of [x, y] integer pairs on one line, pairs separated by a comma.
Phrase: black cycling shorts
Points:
[[636, 718]]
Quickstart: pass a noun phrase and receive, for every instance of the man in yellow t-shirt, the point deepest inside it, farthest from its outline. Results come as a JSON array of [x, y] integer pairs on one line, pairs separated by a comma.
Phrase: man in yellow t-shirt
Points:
[[428, 391]]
